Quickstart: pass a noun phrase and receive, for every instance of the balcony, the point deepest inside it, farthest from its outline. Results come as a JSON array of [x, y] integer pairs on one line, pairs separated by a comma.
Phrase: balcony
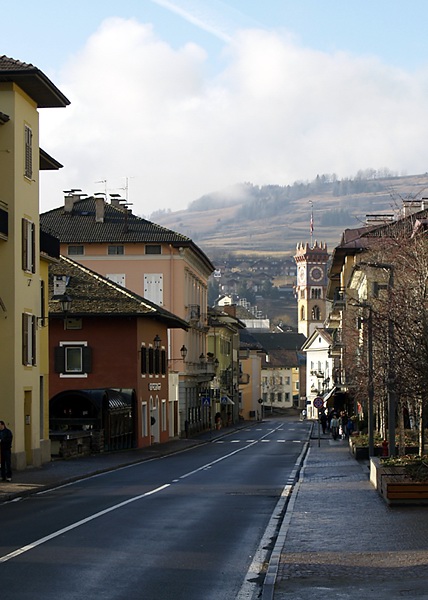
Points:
[[244, 378], [193, 313], [339, 298]]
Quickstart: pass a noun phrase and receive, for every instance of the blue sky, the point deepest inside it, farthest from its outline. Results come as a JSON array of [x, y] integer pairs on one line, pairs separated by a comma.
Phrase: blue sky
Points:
[[185, 97]]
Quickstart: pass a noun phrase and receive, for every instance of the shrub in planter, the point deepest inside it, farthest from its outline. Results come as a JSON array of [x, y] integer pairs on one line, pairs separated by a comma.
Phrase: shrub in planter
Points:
[[414, 467]]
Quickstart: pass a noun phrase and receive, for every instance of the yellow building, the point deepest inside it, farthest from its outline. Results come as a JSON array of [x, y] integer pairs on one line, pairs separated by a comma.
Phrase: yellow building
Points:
[[23, 371]]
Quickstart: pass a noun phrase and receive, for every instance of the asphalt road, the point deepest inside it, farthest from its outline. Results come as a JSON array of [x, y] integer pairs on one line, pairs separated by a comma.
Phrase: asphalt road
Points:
[[183, 527]]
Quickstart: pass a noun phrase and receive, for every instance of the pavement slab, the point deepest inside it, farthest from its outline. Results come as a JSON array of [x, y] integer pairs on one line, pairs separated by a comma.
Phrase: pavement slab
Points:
[[344, 541]]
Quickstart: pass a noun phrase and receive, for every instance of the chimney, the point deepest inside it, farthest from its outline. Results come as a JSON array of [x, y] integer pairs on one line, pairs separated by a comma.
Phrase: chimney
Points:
[[230, 309], [99, 210], [71, 196], [69, 201]]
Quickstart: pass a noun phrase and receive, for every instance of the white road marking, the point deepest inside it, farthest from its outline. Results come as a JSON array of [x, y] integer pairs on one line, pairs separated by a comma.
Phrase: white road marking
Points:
[[55, 534]]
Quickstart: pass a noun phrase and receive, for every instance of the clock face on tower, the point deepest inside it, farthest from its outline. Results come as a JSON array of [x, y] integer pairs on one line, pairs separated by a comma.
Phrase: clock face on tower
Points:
[[302, 274], [316, 273]]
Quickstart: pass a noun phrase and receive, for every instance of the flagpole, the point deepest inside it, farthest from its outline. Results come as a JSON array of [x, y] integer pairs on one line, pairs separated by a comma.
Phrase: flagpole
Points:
[[312, 223]]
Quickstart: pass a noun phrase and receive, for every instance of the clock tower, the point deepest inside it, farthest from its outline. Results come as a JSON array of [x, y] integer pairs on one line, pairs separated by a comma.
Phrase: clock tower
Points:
[[311, 286]]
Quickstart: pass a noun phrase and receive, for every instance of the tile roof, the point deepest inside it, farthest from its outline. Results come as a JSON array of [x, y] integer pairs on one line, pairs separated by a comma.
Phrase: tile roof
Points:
[[33, 81], [281, 358], [94, 295], [280, 341], [118, 226]]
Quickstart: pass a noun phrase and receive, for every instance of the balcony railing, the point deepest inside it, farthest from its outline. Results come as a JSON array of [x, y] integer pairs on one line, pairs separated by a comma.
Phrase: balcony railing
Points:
[[339, 297], [193, 313]]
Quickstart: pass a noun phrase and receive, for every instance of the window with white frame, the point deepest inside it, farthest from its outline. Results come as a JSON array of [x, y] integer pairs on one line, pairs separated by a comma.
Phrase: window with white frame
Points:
[[73, 359]]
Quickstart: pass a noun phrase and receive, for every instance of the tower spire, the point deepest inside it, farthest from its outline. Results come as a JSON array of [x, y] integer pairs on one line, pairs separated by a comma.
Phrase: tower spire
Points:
[[312, 223]]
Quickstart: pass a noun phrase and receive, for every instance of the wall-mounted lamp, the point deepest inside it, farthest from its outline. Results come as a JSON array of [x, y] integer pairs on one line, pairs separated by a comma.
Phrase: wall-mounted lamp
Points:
[[65, 301], [65, 304], [157, 342], [183, 352]]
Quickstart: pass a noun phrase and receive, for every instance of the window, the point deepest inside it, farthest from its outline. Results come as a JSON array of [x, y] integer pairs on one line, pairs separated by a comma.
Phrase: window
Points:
[[316, 293], [28, 246], [316, 313], [153, 361], [28, 339], [115, 250], [73, 359], [153, 249], [28, 161], [75, 250], [153, 287], [279, 397], [117, 278]]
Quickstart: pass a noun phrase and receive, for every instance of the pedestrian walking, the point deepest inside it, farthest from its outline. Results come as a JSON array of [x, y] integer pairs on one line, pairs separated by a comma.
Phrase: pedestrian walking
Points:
[[343, 422], [323, 421], [334, 427], [6, 437], [349, 427]]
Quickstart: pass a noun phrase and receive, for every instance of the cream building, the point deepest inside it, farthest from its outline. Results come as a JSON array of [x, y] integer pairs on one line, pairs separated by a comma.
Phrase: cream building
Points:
[[23, 366]]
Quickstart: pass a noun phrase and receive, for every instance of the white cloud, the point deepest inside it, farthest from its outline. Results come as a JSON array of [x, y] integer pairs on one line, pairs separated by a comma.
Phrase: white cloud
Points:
[[277, 113]]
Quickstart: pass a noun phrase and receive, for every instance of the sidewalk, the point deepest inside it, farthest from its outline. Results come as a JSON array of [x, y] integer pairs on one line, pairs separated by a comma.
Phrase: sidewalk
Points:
[[343, 541]]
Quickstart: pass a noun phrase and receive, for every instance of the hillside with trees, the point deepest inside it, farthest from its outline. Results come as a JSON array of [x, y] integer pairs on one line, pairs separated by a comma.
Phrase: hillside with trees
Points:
[[272, 219]]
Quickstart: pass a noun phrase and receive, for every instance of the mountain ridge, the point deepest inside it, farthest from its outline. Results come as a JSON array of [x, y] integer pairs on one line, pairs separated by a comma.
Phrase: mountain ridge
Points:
[[249, 219]]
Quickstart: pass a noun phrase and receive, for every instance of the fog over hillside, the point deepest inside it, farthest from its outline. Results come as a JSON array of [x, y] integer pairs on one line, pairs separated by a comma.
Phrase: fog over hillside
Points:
[[251, 219]]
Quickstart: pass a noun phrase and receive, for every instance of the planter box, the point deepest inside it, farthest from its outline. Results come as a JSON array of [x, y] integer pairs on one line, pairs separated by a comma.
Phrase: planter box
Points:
[[362, 452], [394, 487]]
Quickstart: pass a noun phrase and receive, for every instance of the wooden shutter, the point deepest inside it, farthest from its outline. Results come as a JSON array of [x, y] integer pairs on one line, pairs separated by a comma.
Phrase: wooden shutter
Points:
[[25, 349], [59, 359], [143, 360], [87, 359]]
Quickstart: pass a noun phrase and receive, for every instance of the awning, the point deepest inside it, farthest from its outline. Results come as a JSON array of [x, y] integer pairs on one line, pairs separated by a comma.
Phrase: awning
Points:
[[328, 395], [226, 400]]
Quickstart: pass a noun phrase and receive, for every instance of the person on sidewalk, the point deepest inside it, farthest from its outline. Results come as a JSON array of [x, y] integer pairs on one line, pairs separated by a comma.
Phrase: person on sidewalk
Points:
[[323, 420], [334, 426], [349, 428], [343, 422], [6, 437]]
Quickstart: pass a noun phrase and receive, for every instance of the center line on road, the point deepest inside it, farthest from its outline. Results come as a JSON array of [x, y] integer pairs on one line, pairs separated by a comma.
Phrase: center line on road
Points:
[[248, 445], [47, 538]]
